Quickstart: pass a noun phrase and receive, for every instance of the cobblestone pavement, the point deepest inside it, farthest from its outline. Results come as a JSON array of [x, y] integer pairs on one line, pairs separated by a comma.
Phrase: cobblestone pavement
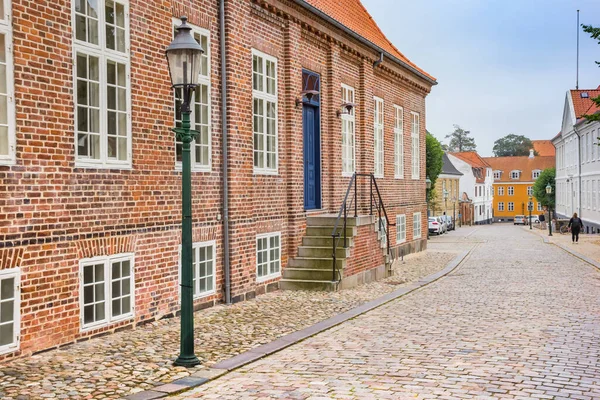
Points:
[[589, 244], [139, 359], [518, 320]]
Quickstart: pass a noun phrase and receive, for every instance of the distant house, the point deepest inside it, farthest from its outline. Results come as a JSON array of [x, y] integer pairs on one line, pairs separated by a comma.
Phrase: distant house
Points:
[[514, 178], [476, 184], [447, 190], [544, 148], [578, 159]]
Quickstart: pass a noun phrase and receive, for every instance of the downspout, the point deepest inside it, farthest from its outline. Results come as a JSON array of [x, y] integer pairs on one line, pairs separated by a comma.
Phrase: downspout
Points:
[[377, 62], [226, 265]]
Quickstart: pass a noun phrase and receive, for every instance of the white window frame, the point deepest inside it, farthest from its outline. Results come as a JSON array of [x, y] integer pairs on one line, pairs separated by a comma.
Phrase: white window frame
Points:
[[103, 54], [378, 136], [268, 236], [415, 127], [417, 228], [497, 174], [511, 191], [348, 96], [500, 190], [398, 142], [107, 261], [594, 189], [14, 273], [511, 206], [266, 97], [515, 174], [202, 80], [501, 206], [400, 228], [197, 294], [6, 30], [535, 173], [529, 190], [540, 208]]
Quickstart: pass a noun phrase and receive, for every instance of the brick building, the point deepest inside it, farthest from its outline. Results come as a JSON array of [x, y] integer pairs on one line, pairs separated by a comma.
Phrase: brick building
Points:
[[89, 173]]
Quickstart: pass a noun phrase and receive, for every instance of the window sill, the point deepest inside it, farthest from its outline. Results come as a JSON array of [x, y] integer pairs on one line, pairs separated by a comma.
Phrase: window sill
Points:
[[265, 172], [86, 165], [208, 169], [204, 294], [104, 324], [401, 241], [7, 162], [398, 176], [268, 277], [9, 348]]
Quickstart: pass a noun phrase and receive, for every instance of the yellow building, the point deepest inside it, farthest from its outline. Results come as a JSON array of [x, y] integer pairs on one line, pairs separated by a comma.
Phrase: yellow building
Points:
[[447, 191], [514, 178]]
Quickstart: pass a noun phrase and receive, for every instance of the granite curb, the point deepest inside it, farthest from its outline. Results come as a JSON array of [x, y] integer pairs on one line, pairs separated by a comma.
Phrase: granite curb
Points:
[[221, 368]]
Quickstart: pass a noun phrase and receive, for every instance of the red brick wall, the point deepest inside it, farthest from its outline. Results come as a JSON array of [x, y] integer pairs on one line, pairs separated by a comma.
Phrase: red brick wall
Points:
[[52, 214], [366, 253]]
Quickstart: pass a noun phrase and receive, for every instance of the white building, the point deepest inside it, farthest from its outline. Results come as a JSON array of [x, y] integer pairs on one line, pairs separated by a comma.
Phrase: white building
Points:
[[578, 159], [477, 183]]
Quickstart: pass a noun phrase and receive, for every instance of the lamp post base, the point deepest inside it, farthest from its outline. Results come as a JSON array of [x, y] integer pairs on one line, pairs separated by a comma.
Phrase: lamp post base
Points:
[[187, 361]]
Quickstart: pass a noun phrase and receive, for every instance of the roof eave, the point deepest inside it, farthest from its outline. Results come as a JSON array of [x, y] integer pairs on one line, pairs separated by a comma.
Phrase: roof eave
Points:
[[316, 11]]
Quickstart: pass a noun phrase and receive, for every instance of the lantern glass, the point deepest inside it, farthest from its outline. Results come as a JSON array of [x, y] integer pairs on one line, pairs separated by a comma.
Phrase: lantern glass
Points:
[[428, 183], [548, 189], [184, 55]]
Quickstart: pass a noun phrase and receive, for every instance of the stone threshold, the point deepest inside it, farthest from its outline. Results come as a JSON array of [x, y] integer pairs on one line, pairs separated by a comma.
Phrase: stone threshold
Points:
[[221, 368]]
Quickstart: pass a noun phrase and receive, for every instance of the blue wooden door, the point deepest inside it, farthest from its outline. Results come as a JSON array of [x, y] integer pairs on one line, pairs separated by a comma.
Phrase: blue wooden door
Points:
[[312, 156]]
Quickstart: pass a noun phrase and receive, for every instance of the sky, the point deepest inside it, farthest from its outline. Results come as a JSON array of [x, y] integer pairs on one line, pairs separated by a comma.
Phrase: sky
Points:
[[502, 66]]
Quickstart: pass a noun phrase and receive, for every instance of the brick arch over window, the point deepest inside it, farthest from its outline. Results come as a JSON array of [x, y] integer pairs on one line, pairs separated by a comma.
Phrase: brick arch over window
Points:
[[106, 246], [11, 257]]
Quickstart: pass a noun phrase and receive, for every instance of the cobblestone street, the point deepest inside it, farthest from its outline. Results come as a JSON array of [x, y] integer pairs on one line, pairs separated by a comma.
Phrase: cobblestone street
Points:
[[518, 319]]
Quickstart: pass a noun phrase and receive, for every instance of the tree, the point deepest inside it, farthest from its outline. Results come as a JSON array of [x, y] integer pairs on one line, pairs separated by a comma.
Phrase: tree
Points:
[[539, 188], [512, 145], [460, 140], [595, 34], [434, 159]]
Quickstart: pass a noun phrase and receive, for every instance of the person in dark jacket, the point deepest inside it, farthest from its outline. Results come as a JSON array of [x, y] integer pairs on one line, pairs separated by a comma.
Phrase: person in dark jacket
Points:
[[575, 225]]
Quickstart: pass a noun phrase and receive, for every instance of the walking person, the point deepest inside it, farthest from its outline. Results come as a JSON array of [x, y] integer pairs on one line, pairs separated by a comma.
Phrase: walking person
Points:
[[575, 225]]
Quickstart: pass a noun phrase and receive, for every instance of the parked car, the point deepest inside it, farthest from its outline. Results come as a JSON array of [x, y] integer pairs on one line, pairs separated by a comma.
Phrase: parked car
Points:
[[435, 226], [534, 219], [449, 222], [520, 220], [444, 224]]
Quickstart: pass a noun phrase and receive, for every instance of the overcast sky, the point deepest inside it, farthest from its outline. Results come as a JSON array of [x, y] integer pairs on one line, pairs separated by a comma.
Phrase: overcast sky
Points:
[[502, 66]]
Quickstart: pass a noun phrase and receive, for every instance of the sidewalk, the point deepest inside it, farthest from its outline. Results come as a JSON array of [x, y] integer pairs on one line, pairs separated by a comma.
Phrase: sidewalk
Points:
[[128, 362], [588, 246]]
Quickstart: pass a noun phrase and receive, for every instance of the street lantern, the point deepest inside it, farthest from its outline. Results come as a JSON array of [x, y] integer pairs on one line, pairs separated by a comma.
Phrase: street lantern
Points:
[[530, 206], [428, 183], [549, 191], [445, 195], [184, 56], [428, 186]]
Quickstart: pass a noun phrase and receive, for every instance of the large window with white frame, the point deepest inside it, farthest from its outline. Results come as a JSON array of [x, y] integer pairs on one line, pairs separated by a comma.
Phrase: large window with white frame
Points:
[[398, 142], [7, 104], [268, 256], [200, 106], [511, 190], [107, 288], [540, 207], [348, 133], [500, 190], [102, 83], [9, 309], [511, 206], [529, 190], [501, 206], [400, 228], [203, 271], [264, 112], [415, 148], [378, 136], [417, 225]]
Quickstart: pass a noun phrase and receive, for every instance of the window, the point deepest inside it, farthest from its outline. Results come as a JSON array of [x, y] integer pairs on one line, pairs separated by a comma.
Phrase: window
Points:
[[501, 206], [540, 208], [398, 142], [416, 158], [268, 256], [203, 262], [536, 174], [264, 112], [201, 110], [400, 228], [511, 191], [417, 225], [500, 190], [529, 190], [511, 206], [497, 174], [594, 188], [515, 174], [9, 309], [348, 137], [107, 287], [102, 94], [7, 105], [378, 136]]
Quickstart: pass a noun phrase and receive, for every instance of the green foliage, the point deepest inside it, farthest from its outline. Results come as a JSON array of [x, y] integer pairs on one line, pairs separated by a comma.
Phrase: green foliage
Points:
[[434, 160], [460, 140], [513, 145], [539, 188], [595, 34]]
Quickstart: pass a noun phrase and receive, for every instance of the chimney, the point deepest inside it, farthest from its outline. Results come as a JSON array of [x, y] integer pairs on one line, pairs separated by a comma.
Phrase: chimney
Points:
[[531, 155]]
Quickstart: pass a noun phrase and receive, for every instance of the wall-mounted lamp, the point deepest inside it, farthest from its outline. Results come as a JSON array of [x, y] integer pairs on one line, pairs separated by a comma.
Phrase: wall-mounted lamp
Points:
[[346, 109], [309, 94]]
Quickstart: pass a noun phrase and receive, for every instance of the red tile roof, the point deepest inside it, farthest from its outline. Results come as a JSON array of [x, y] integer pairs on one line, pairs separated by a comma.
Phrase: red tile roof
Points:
[[477, 163], [585, 106], [544, 147], [354, 16], [524, 164]]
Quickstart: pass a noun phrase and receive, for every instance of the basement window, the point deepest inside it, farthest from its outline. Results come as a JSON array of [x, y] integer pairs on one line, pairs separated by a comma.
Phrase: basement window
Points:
[[9, 309], [268, 256]]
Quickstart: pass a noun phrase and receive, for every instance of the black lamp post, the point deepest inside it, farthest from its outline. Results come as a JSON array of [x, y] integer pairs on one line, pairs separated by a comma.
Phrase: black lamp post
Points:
[[530, 206], [549, 191], [428, 186], [445, 202], [184, 58], [454, 212]]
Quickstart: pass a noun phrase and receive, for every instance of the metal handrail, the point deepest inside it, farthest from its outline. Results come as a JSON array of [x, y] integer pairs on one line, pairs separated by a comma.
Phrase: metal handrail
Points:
[[373, 200]]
